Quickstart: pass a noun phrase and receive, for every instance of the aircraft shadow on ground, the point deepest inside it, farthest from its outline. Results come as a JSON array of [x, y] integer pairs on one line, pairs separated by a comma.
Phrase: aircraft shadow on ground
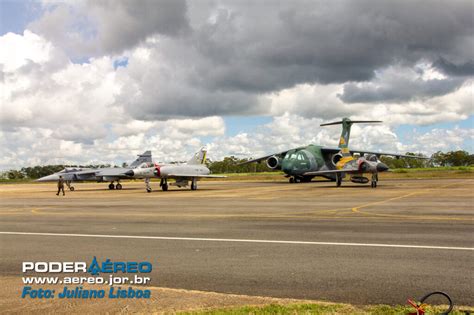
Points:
[[302, 183]]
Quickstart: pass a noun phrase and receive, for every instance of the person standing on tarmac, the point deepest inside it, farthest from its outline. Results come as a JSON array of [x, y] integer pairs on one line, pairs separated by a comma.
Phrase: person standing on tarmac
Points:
[[60, 185]]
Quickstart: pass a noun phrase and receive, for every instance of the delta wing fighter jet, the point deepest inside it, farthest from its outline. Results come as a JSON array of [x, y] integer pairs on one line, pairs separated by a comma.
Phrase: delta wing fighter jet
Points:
[[192, 171], [303, 163], [109, 174]]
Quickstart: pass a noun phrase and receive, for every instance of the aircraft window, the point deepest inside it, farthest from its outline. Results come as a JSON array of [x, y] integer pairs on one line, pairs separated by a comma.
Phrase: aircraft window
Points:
[[292, 156], [300, 157]]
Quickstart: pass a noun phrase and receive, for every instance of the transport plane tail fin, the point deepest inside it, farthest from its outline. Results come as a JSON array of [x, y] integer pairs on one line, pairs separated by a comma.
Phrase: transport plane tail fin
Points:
[[346, 132]]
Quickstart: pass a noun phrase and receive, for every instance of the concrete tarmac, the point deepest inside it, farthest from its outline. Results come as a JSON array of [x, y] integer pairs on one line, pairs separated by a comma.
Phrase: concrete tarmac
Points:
[[350, 244]]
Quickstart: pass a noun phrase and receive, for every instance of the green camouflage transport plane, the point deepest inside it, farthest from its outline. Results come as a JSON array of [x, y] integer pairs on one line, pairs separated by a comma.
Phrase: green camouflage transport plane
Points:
[[303, 163]]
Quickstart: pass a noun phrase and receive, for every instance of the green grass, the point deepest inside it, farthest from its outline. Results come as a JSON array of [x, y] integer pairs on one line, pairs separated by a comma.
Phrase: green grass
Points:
[[319, 309], [461, 169], [13, 181]]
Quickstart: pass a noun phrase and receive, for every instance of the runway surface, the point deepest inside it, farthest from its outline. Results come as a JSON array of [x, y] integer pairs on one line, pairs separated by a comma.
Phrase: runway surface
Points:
[[351, 244]]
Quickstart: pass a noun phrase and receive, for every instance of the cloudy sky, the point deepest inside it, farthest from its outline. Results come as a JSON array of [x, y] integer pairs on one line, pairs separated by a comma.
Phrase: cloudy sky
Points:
[[101, 81]]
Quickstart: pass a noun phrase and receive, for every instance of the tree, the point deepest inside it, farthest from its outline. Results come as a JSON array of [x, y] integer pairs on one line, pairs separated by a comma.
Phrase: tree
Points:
[[453, 158], [14, 174]]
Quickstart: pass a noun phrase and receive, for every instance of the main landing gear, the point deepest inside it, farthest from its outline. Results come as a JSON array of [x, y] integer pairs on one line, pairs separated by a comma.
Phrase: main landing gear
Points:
[[68, 184], [112, 186], [295, 180], [194, 184], [338, 180], [164, 184]]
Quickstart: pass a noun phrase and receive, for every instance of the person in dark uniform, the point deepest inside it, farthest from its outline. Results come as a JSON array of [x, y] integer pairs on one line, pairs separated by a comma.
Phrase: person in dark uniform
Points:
[[60, 185]]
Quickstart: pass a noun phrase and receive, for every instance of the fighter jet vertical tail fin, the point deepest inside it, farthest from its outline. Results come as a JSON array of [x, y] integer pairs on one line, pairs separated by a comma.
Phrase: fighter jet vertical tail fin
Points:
[[198, 158], [346, 132], [145, 157]]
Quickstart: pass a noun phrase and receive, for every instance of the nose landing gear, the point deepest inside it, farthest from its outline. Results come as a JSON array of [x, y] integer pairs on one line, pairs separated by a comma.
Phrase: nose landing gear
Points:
[[68, 184], [147, 184], [375, 179]]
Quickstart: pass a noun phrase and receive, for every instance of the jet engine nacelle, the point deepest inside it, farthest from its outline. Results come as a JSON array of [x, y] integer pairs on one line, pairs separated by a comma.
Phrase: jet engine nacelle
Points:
[[274, 162], [335, 158], [359, 179]]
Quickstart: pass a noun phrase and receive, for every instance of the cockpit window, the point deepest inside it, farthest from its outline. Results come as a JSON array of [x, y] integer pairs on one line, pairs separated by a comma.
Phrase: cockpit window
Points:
[[145, 165], [293, 156]]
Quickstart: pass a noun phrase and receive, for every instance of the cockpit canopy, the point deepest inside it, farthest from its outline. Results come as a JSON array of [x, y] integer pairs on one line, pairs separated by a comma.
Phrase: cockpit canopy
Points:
[[297, 156], [72, 169], [146, 165]]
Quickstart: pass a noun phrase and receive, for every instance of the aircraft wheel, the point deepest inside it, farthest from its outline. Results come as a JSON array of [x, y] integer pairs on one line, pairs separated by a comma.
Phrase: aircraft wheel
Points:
[[297, 180], [148, 190], [164, 187], [373, 184], [194, 185], [118, 186], [292, 180], [111, 186], [338, 181], [71, 188]]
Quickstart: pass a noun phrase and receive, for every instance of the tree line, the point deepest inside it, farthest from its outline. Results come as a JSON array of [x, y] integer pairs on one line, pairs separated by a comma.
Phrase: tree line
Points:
[[231, 165]]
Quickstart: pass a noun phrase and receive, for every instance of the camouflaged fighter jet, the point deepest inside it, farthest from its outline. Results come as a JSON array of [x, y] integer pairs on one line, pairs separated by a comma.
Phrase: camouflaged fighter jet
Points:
[[108, 174], [304, 163], [193, 170]]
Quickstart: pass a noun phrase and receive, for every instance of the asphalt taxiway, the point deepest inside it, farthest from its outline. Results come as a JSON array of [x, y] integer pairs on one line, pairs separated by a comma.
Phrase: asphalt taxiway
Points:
[[350, 244]]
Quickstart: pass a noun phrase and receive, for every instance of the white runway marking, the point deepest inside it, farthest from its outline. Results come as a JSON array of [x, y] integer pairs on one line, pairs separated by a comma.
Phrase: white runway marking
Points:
[[237, 240]]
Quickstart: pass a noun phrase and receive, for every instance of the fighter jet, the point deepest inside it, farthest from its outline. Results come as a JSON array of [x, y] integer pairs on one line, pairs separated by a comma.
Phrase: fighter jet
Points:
[[109, 174], [193, 170], [304, 163]]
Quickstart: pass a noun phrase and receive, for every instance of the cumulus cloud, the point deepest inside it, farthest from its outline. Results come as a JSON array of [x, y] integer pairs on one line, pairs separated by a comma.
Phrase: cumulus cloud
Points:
[[398, 84], [104, 27], [48, 91], [441, 140], [186, 65]]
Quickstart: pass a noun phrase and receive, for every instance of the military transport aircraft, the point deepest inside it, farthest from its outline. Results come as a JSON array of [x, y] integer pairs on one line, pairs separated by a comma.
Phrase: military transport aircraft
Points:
[[193, 170], [303, 163], [109, 174]]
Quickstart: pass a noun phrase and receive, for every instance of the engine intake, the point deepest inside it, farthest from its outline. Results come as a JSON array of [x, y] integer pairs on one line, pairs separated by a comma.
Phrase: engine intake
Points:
[[336, 158], [274, 162]]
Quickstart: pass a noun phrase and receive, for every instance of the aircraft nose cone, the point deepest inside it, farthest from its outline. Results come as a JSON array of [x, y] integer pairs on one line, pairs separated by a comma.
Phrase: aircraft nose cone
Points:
[[48, 178], [130, 173], [381, 167]]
